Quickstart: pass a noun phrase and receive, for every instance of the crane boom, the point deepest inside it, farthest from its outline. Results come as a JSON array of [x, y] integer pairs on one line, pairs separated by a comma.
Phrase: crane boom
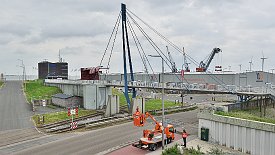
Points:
[[139, 118], [173, 64], [204, 65], [186, 66]]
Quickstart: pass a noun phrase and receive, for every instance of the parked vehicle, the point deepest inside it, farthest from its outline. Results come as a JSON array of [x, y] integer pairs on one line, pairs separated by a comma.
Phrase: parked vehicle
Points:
[[151, 139]]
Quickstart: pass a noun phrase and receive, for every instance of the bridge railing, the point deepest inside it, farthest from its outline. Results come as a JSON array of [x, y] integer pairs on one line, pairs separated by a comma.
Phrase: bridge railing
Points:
[[178, 85]]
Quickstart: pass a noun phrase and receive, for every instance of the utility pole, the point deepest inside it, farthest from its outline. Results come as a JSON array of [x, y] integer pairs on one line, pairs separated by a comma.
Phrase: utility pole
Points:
[[250, 65], [162, 96], [263, 58], [59, 56], [24, 72], [162, 100], [240, 67]]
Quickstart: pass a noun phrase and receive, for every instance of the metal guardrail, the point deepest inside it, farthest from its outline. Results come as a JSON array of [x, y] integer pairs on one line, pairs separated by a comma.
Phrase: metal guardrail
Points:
[[172, 109]]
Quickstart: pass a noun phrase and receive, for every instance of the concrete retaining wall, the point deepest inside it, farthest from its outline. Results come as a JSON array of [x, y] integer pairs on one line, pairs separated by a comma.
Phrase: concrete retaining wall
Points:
[[70, 102], [256, 138]]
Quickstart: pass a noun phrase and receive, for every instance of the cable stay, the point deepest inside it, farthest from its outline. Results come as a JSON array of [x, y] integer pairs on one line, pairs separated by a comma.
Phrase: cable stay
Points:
[[125, 26], [115, 28], [175, 47]]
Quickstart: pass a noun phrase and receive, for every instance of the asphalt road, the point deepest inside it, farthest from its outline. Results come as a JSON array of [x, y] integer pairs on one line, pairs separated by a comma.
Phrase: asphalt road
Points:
[[93, 142], [190, 98], [15, 113]]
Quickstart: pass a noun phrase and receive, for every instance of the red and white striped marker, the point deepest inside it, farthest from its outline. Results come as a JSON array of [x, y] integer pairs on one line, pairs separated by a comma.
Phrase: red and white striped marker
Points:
[[73, 125]]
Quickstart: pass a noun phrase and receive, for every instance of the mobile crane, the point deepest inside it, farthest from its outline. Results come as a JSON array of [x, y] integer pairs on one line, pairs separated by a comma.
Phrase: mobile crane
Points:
[[204, 65], [152, 138]]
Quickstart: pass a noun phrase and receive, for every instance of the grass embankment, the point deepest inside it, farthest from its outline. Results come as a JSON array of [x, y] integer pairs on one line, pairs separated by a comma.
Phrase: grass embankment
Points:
[[36, 90], [1, 83], [253, 114], [154, 104], [151, 104], [122, 99], [59, 116]]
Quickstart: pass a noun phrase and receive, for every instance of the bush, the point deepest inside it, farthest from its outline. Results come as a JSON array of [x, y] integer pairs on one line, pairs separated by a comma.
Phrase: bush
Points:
[[171, 151], [193, 151], [215, 151]]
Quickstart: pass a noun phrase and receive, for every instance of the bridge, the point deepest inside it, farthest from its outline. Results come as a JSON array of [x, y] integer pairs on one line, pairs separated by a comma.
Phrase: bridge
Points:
[[96, 91], [91, 89]]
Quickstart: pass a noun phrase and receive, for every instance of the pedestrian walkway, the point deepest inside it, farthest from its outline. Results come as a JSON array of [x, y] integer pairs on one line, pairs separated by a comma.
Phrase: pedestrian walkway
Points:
[[193, 141]]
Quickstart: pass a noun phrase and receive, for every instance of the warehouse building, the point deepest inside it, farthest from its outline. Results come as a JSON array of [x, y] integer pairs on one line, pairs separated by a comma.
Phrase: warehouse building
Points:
[[49, 70], [253, 78]]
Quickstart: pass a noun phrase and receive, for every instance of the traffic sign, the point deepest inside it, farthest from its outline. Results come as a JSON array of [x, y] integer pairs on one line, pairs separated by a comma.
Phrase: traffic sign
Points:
[[73, 111], [69, 112], [182, 73], [44, 103]]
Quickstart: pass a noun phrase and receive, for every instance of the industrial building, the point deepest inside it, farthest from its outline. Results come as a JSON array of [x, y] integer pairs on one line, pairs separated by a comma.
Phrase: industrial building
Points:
[[253, 78], [49, 70], [91, 73]]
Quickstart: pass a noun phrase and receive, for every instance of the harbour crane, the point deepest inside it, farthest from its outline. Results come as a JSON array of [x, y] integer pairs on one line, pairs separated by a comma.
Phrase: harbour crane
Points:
[[204, 65], [173, 64], [186, 64]]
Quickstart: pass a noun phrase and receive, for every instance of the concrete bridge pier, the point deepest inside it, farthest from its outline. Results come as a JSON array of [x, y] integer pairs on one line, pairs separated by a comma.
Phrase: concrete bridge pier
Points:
[[140, 103], [112, 106]]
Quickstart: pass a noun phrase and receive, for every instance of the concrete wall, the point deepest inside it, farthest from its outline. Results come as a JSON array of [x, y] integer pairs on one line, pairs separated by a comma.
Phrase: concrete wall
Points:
[[252, 137], [94, 95], [89, 97], [256, 79], [69, 102], [112, 105], [70, 89], [140, 103]]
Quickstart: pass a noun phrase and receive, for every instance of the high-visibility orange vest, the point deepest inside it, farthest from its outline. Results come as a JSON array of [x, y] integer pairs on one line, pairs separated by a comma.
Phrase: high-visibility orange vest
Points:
[[184, 135]]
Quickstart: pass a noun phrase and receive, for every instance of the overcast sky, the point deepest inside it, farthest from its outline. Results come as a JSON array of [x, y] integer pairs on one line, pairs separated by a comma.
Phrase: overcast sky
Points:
[[35, 30]]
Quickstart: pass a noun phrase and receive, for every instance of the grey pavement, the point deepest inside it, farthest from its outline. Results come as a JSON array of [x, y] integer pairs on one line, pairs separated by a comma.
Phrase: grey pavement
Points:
[[46, 109], [15, 113], [193, 141]]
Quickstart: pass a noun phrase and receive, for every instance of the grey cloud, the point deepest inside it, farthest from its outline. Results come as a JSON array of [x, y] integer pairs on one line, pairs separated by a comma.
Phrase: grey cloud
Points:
[[82, 28], [14, 28]]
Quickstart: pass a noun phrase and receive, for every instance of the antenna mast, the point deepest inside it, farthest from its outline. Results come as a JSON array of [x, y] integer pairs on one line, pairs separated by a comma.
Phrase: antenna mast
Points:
[[59, 57], [263, 58]]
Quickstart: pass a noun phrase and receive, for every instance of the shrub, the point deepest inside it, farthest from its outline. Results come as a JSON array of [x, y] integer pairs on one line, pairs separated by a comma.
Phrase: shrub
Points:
[[194, 151], [171, 151], [215, 151]]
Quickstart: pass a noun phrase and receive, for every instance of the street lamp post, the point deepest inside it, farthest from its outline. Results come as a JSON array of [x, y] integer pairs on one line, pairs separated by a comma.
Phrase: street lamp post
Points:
[[162, 97], [24, 71]]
